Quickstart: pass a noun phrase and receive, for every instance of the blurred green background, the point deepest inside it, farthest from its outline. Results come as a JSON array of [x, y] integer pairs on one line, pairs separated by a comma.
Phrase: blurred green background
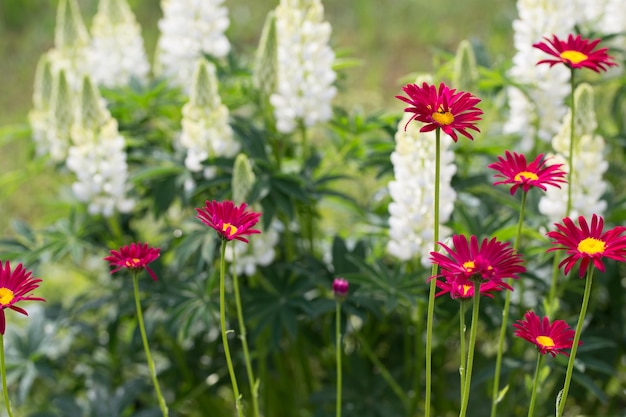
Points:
[[390, 41]]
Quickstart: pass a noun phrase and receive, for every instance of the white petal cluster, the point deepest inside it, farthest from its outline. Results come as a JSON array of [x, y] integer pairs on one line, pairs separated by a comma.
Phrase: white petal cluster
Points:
[[411, 220], [205, 129], [117, 52], [258, 252], [305, 76], [98, 158], [590, 164], [538, 112], [190, 29]]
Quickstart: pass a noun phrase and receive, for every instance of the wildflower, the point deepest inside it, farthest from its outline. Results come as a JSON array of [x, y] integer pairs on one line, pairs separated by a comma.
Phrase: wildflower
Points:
[[515, 170], [189, 30], [576, 52], [229, 221], [411, 220], [443, 108], [304, 79], [588, 244], [117, 52], [15, 286], [135, 257], [461, 288], [491, 261], [552, 338], [340, 288], [205, 129]]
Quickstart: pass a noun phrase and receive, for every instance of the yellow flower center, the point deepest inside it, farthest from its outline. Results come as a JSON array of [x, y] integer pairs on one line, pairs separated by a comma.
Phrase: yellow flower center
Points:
[[229, 229], [591, 246], [575, 57], [466, 289], [443, 118], [6, 296], [469, 266], [526, 175], [545, 341], [131, 263]]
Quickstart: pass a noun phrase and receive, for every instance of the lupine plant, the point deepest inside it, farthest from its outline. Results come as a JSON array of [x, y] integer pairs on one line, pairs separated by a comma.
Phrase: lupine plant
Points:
[[314, 259]]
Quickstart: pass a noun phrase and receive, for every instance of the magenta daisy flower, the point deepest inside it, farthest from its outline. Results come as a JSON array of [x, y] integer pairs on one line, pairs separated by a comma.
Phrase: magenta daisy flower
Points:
[[490, 261], [134, 257], [575, 52], [15, 286], [552, 338], [588, 244], [515, 170], [445, 108], [461, 288], [230, 222]]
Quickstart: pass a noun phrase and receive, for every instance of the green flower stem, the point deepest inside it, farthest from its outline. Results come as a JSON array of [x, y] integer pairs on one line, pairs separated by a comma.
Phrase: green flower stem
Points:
[[144, 339], [579, 328], [470, 353], [254, 389], [552, 291], [384, 372], [5, 390], [533, 395], [505, 317], [433, 281], [463, 364], [572, 138], [229, 361], [338, 355]]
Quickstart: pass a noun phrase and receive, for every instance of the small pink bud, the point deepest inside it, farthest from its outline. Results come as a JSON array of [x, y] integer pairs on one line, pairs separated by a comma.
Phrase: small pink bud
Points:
[[340, 288]]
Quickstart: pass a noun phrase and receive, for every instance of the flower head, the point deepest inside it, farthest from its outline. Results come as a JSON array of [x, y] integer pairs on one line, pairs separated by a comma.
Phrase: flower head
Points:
[[589, 244], [340, 288], [230, 222], [515, 170], [490, 261], [135, 257], [576, 52], [443, 108], [461, 288], [549, 338], [15, 286]]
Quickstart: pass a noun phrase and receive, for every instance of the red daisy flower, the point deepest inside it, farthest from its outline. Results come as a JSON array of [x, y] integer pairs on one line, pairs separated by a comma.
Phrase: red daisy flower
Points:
[[589, 244], [135, 257], [490, 261], [447, 109], [15, 286], [576, 52], [515, 170], [229, 221], [549, 338], [461, 288]]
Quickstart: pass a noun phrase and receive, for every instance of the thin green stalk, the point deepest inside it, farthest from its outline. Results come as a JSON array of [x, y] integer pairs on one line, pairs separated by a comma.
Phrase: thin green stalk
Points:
[[384, 372], [470, 353], [463, 364], [229, 361], [307, 208], [505, 317], [579, 329], [338, 355], [254, 389], [572, 138], [533, 395], [553, 284], [433, 282], [5, 390], [144, 339]]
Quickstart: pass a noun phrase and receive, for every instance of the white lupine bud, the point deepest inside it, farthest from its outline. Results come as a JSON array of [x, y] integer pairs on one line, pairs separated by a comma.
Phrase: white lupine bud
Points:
[[39, 116], [97, 156], [117, 52], [260, 251], [465, 68], [57, 138], [305, 75], [189, 30], [411, 220], [205, 129], [243, 178], [266, 60], [590, 165]]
